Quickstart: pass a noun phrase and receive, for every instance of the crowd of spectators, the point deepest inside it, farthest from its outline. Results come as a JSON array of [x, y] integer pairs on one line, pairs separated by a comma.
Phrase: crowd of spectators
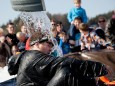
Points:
[[79, 38]]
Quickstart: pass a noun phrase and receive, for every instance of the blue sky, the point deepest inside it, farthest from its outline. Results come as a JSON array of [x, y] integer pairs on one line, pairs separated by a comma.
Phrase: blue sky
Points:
[[92, 7]]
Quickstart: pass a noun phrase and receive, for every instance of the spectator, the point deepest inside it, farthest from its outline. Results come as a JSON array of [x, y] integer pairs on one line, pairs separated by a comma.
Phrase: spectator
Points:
[[5, 50], [11, 38], [89, 40], [53, 23], [75, 35], [2, 39], [64, 43], [77, 11], [22, 41], [1, 32], [100, 31], [59, 28], [111, 31], [24, 30], [113, 16]]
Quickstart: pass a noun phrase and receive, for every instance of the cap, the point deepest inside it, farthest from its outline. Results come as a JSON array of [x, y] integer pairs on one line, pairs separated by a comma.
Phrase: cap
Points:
[[40, 37], [44, 39]]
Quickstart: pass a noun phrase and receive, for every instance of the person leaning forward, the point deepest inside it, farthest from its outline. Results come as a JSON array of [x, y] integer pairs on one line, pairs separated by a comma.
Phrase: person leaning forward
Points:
[[36, 67]]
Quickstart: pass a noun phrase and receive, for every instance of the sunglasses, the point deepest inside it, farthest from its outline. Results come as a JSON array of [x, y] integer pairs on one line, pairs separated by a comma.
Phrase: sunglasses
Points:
[[101, 21]]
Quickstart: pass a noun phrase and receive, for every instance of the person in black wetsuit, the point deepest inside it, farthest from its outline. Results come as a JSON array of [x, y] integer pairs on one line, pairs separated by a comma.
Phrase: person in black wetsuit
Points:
[[36, 67]]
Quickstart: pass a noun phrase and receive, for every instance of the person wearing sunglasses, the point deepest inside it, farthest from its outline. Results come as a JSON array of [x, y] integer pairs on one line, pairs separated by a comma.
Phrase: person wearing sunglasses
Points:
[[53, 23], [100, 30]]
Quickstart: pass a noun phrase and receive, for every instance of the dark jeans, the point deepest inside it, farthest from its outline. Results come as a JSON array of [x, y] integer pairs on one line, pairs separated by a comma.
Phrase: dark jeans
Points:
[[10, 82]]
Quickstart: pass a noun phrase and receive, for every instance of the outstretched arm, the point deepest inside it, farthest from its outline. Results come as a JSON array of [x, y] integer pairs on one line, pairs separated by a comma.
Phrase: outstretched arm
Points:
[[73, 72], [82, 68]]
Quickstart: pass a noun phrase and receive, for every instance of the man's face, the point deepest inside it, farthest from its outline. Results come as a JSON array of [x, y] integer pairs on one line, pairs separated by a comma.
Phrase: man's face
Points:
[[24, 29], [10, 29], [45, 47]]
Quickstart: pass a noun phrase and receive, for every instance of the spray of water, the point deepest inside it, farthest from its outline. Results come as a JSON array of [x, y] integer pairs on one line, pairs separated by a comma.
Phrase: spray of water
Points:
[[39, 21]]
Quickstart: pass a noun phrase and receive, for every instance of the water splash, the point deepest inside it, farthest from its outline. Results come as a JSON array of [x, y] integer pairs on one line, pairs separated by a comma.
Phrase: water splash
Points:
[[39, 21]]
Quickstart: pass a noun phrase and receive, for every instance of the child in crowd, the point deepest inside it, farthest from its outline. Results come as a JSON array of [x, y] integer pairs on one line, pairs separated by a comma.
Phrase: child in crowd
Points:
[[64, 43], [89, 40], [77, 11]]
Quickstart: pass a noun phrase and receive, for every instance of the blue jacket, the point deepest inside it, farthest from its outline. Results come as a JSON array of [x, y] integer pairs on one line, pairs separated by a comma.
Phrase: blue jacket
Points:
[[65, 46], [77, 12]]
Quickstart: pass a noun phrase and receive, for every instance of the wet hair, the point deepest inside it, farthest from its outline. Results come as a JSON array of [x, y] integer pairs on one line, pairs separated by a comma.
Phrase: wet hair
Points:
[[38, 37]]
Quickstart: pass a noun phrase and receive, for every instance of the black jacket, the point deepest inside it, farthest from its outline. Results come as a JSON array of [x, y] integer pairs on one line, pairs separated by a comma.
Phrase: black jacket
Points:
[[100, 33], [34, 68]]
